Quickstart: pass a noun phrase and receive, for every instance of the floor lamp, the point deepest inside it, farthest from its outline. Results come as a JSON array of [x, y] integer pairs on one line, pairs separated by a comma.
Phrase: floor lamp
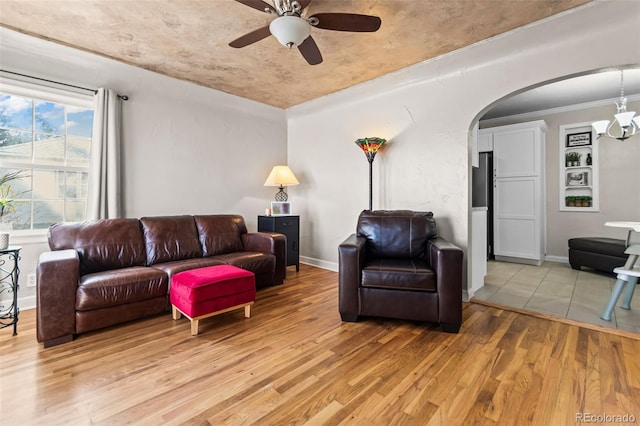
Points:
[[370, 146]]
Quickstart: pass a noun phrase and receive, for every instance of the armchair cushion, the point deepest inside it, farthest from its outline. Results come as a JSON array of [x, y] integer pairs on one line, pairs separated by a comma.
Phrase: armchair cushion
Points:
[[399, 234], [399, 274]]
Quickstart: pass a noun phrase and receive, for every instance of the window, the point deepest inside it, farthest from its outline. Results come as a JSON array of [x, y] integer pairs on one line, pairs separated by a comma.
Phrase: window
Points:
[[49, 137]]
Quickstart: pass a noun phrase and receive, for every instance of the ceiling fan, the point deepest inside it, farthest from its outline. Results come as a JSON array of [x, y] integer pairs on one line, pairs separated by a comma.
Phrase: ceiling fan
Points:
[[292, 30]]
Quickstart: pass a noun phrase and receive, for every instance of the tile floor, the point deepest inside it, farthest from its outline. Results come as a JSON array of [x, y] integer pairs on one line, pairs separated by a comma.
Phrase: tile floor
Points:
[[556, 289]]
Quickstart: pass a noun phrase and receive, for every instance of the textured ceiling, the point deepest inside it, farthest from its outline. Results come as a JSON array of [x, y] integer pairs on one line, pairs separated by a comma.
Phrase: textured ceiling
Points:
[[188, 39]]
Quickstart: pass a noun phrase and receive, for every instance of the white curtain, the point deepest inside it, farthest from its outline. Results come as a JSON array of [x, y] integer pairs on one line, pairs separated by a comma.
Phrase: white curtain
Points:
[[105, 193]]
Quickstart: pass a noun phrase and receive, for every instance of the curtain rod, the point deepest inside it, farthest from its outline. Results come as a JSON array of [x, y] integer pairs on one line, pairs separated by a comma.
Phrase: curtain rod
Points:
[[123, 97]]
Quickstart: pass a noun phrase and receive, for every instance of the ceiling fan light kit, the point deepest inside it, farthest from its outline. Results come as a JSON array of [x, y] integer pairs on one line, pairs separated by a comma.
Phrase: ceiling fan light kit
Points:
[[292, 30]]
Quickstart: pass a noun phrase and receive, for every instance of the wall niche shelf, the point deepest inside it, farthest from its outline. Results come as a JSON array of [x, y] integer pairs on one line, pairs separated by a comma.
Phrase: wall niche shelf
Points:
[[578, 160]]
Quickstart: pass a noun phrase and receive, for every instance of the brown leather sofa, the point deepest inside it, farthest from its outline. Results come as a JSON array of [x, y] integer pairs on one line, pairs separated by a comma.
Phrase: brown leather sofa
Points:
[[396, 266], [105, 272]]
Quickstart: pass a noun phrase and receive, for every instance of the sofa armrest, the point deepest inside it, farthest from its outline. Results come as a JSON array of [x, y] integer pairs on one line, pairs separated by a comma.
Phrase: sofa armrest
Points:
[[57, 278], [446, 261], [271, 243], [351, 257]]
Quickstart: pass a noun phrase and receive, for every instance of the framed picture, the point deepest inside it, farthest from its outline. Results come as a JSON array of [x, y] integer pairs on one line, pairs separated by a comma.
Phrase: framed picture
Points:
[[579, 139], [577, 178], [280, 209]]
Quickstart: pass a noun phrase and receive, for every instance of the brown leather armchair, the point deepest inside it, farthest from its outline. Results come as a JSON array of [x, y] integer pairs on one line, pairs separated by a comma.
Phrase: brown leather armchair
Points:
[[396, 266]]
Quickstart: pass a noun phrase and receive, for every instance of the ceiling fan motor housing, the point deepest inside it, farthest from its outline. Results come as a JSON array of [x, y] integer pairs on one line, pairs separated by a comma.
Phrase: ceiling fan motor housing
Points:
[[287, 7]]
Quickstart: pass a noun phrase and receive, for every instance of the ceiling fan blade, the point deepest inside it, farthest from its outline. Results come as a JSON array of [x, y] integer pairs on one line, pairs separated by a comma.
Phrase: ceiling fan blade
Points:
[[304, 4], [258, 5], [310, 51], [347, 22], [251, 37]]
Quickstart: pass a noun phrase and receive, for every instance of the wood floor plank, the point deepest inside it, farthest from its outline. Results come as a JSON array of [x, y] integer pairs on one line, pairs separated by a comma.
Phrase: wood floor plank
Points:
[[295, 362]]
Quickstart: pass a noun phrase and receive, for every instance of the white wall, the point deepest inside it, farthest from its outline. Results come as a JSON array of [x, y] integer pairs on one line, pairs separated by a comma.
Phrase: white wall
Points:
[[426, 112], [618, 167], [187, 149]]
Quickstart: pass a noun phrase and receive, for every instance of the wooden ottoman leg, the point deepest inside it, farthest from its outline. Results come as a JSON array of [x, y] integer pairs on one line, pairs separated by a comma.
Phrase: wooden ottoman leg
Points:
[[247, 311], [175, 313], [194, 327]]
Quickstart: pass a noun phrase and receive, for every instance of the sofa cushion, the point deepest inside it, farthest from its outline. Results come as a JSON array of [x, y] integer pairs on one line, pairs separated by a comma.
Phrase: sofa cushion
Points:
[[396, 234], [172, 268], [101, 244], [258, 263], [117, 287], [170, 238], [220, 234], [399, 274]]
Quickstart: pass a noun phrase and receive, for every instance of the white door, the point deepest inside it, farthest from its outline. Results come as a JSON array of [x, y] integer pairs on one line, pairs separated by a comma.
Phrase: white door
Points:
[[515, 229], [517, 157]]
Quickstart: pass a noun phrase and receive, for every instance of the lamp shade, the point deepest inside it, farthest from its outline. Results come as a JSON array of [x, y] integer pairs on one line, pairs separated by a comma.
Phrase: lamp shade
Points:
[[281, 176], [600, 126], [624, 118], [290, 30], [370, 146]]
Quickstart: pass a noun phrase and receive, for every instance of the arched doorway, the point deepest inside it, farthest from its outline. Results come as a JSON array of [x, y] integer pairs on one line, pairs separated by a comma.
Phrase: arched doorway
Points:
[[575, 100]]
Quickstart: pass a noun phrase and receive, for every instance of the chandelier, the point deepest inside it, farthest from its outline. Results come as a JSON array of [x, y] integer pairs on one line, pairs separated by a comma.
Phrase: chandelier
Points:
[[627, 127]]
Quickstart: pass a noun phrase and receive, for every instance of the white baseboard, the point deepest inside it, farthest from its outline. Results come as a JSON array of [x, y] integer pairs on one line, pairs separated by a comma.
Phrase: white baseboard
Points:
[[27, 302], [467, 295], [557, 259], [331, 266]]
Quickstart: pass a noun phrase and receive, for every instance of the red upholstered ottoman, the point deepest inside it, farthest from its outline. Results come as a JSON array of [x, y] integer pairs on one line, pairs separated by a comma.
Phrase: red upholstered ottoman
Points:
[[204, 292]]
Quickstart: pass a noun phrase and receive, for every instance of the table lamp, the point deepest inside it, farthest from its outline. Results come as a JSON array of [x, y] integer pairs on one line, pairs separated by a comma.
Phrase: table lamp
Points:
[[281, 176]]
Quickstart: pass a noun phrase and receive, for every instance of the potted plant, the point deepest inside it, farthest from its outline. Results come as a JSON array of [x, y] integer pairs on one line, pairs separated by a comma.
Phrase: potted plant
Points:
[[576, 159], [7, 204], [570, 201], [586, 201], [572, 159]]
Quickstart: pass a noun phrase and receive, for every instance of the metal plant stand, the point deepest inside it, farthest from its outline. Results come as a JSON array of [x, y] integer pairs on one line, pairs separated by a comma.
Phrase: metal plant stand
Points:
[[9, 273]]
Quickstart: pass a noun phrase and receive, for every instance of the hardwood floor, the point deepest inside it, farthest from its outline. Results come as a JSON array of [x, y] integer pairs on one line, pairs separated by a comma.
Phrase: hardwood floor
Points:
[[295, 362]]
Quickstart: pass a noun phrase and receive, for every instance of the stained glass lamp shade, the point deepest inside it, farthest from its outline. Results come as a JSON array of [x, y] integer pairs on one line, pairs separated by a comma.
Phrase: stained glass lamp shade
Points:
[[370, 147]]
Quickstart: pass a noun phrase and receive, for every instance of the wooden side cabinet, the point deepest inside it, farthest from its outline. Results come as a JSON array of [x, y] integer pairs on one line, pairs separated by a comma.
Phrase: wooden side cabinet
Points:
[[290, 227]]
